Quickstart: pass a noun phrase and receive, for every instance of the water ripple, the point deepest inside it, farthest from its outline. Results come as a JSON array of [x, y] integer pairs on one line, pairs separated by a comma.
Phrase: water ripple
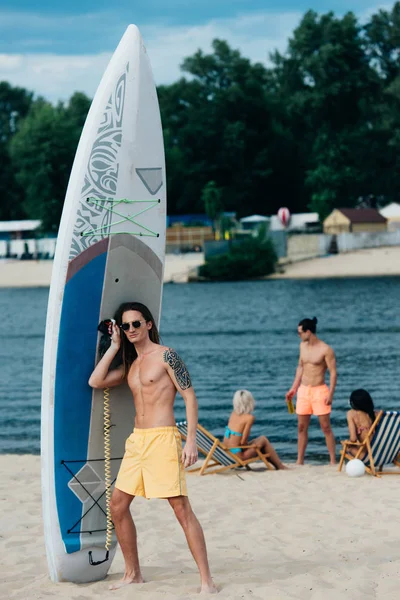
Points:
[[231, 336]]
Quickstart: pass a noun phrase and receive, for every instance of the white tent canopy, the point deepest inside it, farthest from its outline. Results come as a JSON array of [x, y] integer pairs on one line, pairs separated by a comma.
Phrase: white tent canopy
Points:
[[298, 222], [255, 219], [391, 210], [12, 226]]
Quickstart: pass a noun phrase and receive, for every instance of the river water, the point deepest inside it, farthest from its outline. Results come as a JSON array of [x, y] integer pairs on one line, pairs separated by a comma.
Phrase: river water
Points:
[[231, 336]]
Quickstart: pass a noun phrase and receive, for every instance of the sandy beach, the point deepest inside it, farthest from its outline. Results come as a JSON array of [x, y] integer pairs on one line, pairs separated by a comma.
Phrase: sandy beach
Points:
[[370, 262], [308, 533], [31, 273]]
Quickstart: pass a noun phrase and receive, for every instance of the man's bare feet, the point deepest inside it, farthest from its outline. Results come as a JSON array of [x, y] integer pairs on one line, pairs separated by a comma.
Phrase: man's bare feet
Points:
[[209, 588], [126, 581]]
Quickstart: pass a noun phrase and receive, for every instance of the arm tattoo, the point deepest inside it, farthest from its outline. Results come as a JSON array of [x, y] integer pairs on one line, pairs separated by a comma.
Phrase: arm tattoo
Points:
[[181, 373]]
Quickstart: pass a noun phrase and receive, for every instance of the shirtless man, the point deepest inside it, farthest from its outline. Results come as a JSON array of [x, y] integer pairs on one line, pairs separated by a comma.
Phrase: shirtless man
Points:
[[313, 395], [153, 464]]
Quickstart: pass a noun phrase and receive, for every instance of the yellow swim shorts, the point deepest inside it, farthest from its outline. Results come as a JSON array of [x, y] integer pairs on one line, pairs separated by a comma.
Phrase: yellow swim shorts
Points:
[[152, 464]]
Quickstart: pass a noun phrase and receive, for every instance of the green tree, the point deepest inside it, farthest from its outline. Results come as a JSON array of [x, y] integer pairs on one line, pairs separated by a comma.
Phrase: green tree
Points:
[[212, 199], [42, 153], [382, 42], [14, 105], [220, 125], [317, 129], [247, 259], [330, 90]]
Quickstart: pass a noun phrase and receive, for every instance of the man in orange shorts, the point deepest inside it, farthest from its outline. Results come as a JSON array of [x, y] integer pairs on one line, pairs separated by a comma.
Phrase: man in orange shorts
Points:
[[314, 397]]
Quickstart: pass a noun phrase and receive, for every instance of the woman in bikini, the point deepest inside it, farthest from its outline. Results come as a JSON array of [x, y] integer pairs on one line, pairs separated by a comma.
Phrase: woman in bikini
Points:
[[360, 418], [238, 429]]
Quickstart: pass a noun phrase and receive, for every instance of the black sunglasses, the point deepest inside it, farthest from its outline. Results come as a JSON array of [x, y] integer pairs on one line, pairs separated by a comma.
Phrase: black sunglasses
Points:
[[135, 325]]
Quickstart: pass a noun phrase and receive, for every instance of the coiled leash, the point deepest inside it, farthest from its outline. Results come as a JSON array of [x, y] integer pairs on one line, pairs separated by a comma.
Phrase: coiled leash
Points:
[[104, 343], [107, 468]]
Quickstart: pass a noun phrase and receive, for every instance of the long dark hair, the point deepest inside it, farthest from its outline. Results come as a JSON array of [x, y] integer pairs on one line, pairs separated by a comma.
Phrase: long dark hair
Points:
[[361, 400], [127, 351]]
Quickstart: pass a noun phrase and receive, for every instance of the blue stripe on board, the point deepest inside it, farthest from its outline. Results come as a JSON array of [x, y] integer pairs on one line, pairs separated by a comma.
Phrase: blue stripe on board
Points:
[[73, 396]]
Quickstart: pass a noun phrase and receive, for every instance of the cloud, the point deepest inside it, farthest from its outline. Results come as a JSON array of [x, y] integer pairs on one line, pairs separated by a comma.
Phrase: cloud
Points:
[[367, 13], [255, 35], [52, 76], [57, 76], [34, 21], [10, 63]]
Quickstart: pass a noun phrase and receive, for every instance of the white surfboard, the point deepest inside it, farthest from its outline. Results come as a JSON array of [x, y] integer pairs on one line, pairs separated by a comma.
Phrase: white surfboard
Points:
[[110, 250]]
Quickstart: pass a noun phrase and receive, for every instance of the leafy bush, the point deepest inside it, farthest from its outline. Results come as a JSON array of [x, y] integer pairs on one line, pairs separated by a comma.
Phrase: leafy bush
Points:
[[252, 257]]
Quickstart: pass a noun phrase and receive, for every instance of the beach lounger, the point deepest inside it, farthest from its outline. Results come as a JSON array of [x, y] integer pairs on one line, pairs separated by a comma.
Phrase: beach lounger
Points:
[[382, 444], [217, 457]]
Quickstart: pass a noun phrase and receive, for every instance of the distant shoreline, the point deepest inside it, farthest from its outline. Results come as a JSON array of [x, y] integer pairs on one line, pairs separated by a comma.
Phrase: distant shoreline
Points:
[[37, 273], [179, 268], [369, 262]]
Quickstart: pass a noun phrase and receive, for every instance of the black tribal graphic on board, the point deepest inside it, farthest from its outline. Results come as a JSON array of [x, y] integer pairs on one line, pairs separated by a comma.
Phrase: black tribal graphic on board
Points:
[[181, 373]]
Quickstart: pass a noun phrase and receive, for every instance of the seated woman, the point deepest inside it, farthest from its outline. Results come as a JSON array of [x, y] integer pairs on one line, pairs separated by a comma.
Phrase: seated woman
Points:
[[360, 418], [238, 430]]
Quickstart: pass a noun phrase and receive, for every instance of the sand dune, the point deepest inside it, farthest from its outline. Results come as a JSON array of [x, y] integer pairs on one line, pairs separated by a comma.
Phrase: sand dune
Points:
[[309, 533]]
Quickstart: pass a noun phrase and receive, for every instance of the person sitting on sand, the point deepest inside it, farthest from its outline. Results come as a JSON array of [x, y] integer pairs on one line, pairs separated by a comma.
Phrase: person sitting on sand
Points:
[[360, 418], [238, 429]]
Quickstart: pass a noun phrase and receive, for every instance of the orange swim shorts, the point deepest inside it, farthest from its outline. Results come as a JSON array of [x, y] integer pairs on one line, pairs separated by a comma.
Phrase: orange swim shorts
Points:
[[311, 400]]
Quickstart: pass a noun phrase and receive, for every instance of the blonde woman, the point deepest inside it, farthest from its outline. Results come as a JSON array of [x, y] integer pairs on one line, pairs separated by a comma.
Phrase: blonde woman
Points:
[[237, 431]]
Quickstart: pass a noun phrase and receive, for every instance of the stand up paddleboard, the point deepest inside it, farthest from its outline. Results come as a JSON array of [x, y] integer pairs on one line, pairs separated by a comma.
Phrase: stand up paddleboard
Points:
[[110, 249]]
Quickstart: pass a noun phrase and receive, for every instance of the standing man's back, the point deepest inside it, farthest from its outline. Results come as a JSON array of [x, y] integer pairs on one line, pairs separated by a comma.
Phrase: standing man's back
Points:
[[314, 397]]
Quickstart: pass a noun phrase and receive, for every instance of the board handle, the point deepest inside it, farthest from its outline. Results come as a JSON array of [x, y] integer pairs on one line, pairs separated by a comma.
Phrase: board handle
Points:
[[97, 562]]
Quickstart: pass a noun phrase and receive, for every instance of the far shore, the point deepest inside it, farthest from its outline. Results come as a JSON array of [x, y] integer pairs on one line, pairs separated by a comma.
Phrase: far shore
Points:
[[369, 262], [37, 273], [179, 268]]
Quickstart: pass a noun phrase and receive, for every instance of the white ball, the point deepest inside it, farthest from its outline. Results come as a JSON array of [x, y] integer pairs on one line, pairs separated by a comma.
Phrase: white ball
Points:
[[355, 468]]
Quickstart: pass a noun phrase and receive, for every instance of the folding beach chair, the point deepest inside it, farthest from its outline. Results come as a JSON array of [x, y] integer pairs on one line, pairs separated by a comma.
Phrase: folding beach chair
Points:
[[217, 456], [382, 445]]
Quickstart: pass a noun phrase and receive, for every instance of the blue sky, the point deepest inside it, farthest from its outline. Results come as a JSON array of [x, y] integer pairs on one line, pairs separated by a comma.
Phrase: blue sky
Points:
[[55, 47]]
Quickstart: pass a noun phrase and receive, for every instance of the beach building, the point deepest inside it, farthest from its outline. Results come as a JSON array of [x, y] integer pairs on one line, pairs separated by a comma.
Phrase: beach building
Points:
[[17, 237], [391, 212], [299, 223], [196, 219], [192, 220], [253, 222], [18, 230], [354, 220], [187, 239], [188, 233]]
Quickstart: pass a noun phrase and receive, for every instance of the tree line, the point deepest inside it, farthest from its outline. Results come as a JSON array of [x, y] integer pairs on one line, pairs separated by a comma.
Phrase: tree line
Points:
[[318, 128]]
